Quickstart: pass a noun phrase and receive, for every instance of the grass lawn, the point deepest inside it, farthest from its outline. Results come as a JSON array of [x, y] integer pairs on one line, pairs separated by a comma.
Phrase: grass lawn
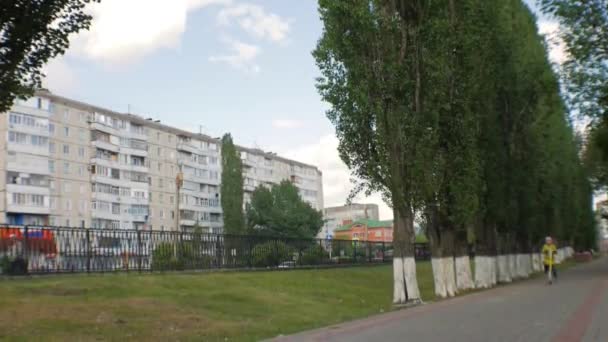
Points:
[[245, 306], [214, 306]]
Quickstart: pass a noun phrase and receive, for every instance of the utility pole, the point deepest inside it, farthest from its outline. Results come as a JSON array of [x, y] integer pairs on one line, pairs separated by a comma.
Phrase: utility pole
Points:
[[179, 182]]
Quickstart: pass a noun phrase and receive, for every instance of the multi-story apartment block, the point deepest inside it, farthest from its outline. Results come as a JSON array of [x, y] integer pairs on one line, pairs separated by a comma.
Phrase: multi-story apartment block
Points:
[[263, 168], [67, 163], [336, 217]]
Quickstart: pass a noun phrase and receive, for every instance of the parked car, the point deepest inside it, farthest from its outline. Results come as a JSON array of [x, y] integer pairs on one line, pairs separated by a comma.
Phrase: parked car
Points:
[[287, 264]]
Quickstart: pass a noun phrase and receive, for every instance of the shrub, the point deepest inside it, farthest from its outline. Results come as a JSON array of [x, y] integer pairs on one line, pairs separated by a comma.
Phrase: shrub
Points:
[[270, 254], [166, 257], [314, 255], [17, 266]]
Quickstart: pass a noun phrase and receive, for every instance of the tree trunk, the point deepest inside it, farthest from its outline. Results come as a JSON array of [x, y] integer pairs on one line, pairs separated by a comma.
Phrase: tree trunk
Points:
[[503, 260], [485, 256], [464, 278], [405, 283], [441, 236]]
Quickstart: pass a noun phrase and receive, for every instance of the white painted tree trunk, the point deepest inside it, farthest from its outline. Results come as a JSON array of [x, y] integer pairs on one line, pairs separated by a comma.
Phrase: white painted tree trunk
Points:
[[536, 262], [450, 276], [443, 276], [504, 273], [522, 265], [485, 271], [464, 279], [493, 271], [438, 278], [512, 265], [405, 283]]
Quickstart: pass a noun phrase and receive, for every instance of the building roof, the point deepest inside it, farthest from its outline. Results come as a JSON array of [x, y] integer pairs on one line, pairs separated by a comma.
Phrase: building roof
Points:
[[163, 127], [366, 222]]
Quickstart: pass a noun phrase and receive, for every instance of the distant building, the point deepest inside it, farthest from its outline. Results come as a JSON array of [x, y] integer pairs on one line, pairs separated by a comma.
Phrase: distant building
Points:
[[366, 230], [338, 216], [68, 163], [602, 225]]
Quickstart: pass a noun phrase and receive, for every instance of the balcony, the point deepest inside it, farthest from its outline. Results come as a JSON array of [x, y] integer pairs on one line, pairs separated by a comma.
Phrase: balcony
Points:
[[27, 209], [28, 189], [29, 149], [188, 147], [106, 145], [28, 164], [20, 108], [41, 131], [105, 128], [138, 134], [106, 215]]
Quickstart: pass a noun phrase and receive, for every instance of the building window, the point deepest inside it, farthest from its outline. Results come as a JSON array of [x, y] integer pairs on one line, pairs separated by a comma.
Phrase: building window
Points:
[[68, 206], [160, 182], [160, 166], [66, 131], [67, 187], [66, 149], [66, 168], [81, 151], [82, 134], [81, 170], [171, 199], [83, 117], [52, 148], [52, 184], [159, 151], [51, 128], [66, 115], [51, 166], [162, 214], [82, 189], [158, 136]]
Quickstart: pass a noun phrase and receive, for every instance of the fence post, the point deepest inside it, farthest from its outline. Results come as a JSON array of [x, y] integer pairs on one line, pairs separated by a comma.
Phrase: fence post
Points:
[[355, 251], [25, 248], [139, 250], [383, 252], [250, 256], [88, 251]]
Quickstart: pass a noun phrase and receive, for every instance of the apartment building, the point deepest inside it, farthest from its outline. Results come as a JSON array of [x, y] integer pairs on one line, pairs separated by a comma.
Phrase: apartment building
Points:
[[264, 168], [336, 217], [68, 163]]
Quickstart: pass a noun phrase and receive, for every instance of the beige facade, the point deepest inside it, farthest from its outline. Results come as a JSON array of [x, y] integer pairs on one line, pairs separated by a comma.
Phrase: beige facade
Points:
[[263, 168], [67, 163]]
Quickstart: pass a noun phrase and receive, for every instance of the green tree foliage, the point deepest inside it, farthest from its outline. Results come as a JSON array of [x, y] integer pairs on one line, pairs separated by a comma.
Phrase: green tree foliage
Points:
[[584, 31], [281, 212], [33, 32], [232, 187], [452, 107]]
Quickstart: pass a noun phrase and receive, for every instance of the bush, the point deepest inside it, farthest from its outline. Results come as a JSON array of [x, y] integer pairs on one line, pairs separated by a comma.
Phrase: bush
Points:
[[18, 266], [314, 255], [270, 254], [166, 257]]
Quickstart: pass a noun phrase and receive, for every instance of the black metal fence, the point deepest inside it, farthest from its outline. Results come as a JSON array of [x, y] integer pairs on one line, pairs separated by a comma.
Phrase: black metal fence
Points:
[[43, 249]]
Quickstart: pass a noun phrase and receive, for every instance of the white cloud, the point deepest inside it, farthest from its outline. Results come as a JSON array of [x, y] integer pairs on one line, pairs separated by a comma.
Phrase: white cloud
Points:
[[255, 21], [60, 78], [336, 176], [557, 49], [125, 30], [242, 57], [287, 123]]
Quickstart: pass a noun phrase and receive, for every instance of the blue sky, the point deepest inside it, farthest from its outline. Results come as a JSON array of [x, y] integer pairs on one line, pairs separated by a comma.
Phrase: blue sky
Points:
[[243, 67]]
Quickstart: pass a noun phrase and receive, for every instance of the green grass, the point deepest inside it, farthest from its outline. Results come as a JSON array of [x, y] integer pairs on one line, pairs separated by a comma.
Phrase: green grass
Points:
[[212, 307], [245, 306]]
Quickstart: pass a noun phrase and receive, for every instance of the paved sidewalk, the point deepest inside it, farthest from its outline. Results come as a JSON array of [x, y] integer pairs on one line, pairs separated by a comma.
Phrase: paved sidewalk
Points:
[[573, 309]]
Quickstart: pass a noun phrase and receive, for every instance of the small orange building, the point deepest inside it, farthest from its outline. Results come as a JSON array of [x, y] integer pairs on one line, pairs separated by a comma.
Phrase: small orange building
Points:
[[365, 230]]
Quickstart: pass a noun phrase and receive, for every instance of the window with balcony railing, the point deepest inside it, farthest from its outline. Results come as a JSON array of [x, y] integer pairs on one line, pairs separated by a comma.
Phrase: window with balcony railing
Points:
[[137, 129], [30, 200], [19, 119]]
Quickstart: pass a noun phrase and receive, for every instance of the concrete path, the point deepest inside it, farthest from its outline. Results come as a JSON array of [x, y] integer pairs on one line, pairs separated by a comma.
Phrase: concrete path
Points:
[[573, 309]]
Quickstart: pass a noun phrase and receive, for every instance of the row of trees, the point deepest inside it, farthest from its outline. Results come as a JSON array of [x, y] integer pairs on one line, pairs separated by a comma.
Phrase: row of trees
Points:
[[452, 111]]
